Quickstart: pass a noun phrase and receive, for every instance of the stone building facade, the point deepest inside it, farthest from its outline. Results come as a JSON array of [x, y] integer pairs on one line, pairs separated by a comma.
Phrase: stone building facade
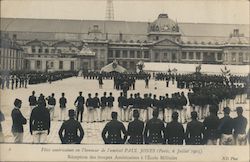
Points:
[[91, 44]]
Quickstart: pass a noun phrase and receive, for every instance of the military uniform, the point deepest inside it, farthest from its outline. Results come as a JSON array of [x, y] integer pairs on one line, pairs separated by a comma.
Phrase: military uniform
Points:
[[211, 124], [240, 124], [194, 133], [80, 101], [111, 133], [110, 103], [174, 133], [32, 103], [96, 106], [40, 124], [51, 106], [135, 131], [226, 131], [104, 108], [62, 103], [71, 128], [154, 132], [90, 109]]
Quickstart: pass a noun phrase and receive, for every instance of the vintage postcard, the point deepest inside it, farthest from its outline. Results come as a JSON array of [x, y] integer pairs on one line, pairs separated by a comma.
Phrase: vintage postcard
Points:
[[124, 80]]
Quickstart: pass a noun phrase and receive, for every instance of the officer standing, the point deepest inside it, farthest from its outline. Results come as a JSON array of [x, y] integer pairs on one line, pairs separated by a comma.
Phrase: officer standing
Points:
[[135, 129], [211, 124], [174, 132], [90, 109], [110, 101], [51, 105], [96, 105], [32, 101], [194, 131], [103, 111], [40, 123], [62, 103], [154, 130], [111, 133], [68, 132], [226, 128], [18, 121], [240, 124], [79, 102]]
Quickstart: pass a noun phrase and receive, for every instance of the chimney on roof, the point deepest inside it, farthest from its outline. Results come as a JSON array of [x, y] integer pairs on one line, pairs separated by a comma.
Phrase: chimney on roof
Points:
[[120, 37]]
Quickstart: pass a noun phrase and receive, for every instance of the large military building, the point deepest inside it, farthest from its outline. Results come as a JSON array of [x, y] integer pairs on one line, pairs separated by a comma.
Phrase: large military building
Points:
[[53, 44]]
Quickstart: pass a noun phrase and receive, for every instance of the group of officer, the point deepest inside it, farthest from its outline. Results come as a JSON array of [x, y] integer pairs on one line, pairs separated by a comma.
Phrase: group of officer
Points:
[[13, 81], [228, 130], [212, 131]]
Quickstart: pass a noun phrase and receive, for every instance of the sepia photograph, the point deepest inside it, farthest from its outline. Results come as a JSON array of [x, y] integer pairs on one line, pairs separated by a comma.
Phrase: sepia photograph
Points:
[[124, 80]]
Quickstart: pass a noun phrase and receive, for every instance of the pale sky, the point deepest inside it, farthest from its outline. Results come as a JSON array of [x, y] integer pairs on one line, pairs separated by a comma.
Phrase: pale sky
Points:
[[196, 11]]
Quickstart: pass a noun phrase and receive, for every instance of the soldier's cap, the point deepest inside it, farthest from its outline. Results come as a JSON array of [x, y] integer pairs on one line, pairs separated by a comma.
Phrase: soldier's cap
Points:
[[33, 92], [71, 113], [239, 109], [80, 92], [194, 114], [226, 110], [17, 102], [155, 113], [114, 114], [136, 114]]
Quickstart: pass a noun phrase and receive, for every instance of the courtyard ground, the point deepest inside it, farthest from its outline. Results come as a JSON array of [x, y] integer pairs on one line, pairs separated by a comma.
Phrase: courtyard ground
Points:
[[71, 87]]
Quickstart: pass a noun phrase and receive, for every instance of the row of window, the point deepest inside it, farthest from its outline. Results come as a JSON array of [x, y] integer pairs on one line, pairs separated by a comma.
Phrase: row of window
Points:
[[241, 57], [197, 55], [128, 54]]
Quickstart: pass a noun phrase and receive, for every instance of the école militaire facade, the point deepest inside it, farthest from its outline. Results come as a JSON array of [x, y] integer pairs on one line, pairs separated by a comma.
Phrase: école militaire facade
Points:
[[56, 45]]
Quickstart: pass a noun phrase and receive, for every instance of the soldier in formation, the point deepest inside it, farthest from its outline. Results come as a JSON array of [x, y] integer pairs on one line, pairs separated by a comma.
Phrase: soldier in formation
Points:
[[71, 131]]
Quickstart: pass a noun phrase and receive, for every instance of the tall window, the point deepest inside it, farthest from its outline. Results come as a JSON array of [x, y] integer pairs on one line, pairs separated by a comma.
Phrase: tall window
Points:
[[110, 54], [191, 55], [33, 49], [124, 53], [157, 56], [117, 53], [233, 58], [219, 56], [40, 50], [38, 64], [240, 57], [165, 56], [60, 65], [198, 55], [146, 54], [132, 54], [174, 56], [46, 50], [184, 55], [138, 54]]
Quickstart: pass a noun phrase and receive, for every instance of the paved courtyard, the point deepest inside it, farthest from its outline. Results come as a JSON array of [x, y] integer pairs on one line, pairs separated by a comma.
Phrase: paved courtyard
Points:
[[71, 87]]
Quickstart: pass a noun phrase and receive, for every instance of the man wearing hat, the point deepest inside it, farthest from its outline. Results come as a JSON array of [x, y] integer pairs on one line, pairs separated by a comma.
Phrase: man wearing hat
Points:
[[51, 105], [211, 124], [68, 132], [194, 131], [62, 103], [32, 102], [226, 128], [135, 129], [18, 121], [240, 124], [40, 122], [79, 102], [154, 130], [174, 132], [111, 133]]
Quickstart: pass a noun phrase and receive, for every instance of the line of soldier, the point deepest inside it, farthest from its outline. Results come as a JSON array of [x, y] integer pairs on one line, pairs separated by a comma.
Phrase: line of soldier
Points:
[[99, 109], [229, 131], [108, 75], [13, 81]]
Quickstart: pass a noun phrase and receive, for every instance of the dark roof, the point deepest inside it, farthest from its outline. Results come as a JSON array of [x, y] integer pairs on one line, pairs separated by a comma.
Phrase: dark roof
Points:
[[47, 29]]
